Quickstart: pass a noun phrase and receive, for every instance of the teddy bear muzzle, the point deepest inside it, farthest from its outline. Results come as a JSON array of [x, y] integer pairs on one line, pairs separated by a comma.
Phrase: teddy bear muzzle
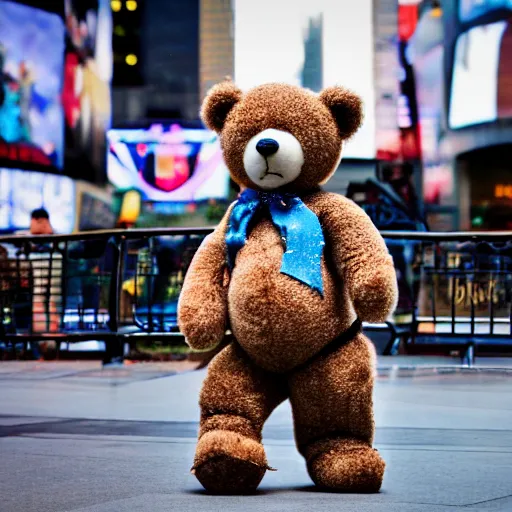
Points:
[[273, 158]]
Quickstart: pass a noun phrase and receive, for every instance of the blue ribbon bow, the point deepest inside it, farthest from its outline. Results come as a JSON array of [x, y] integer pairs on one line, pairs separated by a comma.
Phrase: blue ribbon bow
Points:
[[298, 226]]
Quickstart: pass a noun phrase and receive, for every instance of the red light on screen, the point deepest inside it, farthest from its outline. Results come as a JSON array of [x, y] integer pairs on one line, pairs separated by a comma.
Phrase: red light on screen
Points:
[[142, 150], [171, 171], [407, 21]]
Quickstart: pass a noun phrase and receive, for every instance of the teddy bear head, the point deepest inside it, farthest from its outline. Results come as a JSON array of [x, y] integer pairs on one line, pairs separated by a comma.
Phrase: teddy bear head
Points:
[[279, 136]]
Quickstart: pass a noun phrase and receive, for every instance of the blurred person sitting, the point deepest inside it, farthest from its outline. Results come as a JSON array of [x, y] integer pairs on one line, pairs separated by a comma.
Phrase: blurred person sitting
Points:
[[40, 222], [30, 310], [39, 225]]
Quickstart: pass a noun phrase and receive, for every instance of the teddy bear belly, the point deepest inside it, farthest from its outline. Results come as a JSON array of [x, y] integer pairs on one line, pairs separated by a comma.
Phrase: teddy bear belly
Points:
[[279, 321]]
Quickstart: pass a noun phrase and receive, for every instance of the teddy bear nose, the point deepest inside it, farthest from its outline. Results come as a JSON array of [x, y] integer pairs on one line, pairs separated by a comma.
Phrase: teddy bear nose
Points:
[[267, 147]]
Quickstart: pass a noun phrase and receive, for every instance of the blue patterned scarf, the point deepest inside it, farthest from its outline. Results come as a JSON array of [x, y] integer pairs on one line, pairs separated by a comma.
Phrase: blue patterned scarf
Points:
[[298, 226]]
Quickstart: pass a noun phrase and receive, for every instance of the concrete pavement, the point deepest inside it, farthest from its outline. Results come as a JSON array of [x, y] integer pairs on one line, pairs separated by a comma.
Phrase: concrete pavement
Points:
[[74, 437]]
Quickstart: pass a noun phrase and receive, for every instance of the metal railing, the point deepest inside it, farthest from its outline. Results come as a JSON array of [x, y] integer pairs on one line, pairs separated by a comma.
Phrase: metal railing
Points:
[[457, 291], [123, 285]]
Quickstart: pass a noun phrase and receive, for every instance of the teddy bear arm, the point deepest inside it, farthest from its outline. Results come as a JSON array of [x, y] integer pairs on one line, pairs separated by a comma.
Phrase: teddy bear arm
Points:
[[202, 306], [363, 261], [374, 292]]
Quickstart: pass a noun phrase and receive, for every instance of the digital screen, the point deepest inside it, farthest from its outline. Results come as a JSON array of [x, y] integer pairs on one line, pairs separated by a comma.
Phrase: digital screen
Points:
[[472, 9], [313, 44], [31, 63], [482, 72], [95, 213], [87, 78], [21, 192], [168, 163]]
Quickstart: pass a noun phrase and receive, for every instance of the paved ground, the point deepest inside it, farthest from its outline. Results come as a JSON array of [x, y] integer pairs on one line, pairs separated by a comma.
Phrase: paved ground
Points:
[[74, 437]]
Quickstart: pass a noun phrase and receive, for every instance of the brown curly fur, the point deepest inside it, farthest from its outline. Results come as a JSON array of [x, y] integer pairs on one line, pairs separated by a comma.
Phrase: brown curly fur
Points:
[[288, 108], [280, 324]]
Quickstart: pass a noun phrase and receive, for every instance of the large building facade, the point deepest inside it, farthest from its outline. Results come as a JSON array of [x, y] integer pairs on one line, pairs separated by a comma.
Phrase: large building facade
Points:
[[456, 109], [186, 47], [216, 45], [412, 62]]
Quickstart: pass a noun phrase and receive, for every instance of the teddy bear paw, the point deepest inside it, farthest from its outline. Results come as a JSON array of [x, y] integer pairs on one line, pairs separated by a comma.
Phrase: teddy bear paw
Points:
[[229, 463], [358, 469]]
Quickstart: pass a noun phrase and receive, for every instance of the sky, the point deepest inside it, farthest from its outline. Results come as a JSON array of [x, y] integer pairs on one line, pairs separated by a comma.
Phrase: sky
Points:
[[269, 38]]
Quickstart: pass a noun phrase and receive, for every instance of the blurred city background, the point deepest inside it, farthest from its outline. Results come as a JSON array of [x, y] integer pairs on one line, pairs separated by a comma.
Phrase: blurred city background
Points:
[[100, 99], [109, 182], [100, 130]]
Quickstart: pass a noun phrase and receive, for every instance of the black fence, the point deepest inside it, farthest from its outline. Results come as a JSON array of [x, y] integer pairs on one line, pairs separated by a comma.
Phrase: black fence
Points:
[[123, 286]]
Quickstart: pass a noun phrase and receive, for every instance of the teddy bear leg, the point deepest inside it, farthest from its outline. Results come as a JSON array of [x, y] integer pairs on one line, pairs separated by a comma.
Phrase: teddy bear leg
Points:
[[236, 399], [333, 414]]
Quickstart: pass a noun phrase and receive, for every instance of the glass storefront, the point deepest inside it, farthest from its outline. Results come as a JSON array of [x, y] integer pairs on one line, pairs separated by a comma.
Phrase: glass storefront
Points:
[[486, 190]]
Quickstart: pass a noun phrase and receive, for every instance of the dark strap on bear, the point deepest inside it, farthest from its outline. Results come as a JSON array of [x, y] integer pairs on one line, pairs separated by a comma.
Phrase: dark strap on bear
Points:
[[344, 338]]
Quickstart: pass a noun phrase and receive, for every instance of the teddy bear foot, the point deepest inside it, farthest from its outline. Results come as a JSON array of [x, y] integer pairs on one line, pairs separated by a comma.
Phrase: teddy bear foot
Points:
[[229, 463], [346, 466]]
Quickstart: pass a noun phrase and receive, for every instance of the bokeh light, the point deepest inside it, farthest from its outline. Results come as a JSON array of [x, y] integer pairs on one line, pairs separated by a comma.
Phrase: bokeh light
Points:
[[131, 59], [116, 5]]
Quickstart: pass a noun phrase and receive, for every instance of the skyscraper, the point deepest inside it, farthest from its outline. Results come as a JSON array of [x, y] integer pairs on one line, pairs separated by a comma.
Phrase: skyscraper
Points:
[[216, 47], [312, 70], [186, 47], [171, 34]]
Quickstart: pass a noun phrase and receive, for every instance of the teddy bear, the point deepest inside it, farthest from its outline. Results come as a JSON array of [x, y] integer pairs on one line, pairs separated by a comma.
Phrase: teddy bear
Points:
[[287, 278]]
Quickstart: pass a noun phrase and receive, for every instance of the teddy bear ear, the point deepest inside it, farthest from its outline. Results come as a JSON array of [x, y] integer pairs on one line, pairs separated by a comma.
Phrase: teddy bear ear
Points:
[[219, 101], [346, 108]]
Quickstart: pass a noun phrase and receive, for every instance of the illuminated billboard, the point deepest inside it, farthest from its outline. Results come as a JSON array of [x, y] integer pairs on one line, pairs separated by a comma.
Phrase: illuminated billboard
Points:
[[86, 94], [31, 63], [482, 74], [55, 86], [168, 163], [21, 192]]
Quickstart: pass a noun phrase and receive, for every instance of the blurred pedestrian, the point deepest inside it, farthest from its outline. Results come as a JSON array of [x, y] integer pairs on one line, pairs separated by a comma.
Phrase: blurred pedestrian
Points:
[[43, 315], [40, 223]]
